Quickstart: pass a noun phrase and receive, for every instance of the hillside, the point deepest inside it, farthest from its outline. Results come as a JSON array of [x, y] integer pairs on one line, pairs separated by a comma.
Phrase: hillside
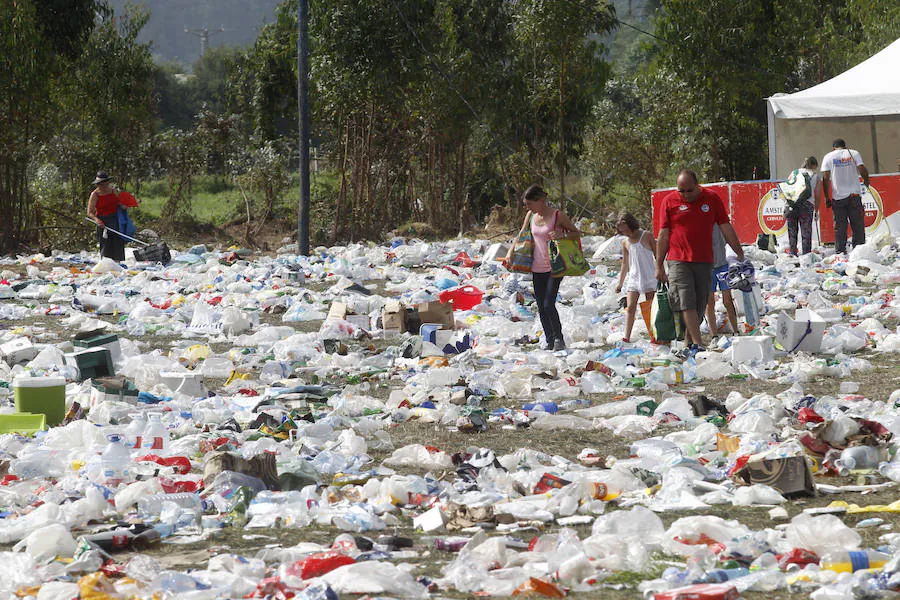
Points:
[[232, 22]]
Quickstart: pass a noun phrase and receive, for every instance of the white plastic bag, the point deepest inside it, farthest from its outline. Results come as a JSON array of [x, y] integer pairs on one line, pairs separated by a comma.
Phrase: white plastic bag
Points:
[[374, 577], [47, 542], [820, 534], [234, 322]]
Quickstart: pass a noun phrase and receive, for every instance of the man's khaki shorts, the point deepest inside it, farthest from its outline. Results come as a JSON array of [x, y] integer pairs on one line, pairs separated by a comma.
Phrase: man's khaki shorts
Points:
[[689, 285]]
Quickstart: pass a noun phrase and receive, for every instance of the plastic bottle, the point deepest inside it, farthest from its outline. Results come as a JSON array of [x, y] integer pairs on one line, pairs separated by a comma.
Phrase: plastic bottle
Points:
[[450, 544], [858, 457], [153, 504], [637, 382], [848, 561], [722, 575], [275, 370], [891, 470], [123, 538], [226, 483], [156, 436], [134, 433], [547, 407], [115, 461]]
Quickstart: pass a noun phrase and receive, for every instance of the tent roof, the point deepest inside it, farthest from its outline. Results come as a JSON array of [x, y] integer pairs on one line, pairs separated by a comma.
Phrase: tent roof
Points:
[[870, 88]]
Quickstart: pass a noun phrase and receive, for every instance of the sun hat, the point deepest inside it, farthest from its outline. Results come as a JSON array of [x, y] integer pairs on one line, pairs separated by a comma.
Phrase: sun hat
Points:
[[101, 177]]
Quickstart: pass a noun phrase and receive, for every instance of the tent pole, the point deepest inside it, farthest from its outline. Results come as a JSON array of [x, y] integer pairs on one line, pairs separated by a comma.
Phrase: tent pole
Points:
[[773, 159], [874, 145]]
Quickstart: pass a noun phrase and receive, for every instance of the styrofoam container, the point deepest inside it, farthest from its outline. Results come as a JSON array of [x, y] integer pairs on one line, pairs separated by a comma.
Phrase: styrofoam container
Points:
[[45, 395], [803, 333], [495, 251], [190, 383], [17, 351], [752, 348]]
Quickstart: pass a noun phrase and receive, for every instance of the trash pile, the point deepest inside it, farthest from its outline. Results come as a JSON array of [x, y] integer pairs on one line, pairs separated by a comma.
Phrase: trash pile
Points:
[[358, 395]]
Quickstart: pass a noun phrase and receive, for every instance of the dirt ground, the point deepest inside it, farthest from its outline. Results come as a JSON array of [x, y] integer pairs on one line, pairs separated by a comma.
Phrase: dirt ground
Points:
[[877, 384]]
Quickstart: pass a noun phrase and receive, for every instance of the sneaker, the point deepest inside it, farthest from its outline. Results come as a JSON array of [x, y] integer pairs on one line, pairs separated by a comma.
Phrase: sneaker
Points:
[[689, 352], [558, 345]]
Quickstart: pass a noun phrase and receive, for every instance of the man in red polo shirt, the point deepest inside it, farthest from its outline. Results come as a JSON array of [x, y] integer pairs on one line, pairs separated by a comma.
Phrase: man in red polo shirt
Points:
[[685, 245]]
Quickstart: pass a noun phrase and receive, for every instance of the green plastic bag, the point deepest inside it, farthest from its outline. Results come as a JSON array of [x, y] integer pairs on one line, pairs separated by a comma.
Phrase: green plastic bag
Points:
[[662, 317], [566, 258]]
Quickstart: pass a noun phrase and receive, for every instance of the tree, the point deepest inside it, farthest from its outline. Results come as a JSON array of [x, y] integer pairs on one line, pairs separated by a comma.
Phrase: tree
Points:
[[559, 56], [37, 39]]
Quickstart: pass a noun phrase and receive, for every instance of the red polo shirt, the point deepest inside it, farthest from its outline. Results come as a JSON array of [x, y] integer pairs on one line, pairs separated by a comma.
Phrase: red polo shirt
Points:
[[690, 225]]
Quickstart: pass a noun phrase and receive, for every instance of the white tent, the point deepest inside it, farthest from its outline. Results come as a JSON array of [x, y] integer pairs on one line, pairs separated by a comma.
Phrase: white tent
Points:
[[861, 105]]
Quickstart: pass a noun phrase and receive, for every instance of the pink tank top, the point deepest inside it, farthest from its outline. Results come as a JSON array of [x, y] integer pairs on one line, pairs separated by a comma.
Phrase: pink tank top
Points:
[[541, 234]]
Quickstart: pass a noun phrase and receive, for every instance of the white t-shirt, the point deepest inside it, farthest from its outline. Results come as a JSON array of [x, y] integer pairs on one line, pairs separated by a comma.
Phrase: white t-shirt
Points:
[[842, 164]]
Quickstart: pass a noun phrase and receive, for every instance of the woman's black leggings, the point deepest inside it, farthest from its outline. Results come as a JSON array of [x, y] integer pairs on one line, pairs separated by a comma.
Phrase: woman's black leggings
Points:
[[113, 246], [546, 289]]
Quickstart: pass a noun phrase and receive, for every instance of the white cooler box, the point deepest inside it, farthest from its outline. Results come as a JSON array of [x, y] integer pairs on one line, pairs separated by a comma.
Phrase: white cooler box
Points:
[[803, 333]]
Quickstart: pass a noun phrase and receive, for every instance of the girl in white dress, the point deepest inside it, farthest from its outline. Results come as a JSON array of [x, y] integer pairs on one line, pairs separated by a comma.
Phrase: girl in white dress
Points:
[[637, 275]]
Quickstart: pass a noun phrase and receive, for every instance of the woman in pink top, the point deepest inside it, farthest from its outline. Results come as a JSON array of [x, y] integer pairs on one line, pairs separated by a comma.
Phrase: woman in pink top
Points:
[[547, 223]]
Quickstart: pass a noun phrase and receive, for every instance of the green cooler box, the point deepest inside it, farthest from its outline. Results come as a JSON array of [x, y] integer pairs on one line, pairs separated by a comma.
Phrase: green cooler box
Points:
[[45, 395]]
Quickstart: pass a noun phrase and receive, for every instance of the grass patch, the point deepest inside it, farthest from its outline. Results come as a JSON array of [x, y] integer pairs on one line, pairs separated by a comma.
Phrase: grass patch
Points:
[[216, 201], [213, 200]]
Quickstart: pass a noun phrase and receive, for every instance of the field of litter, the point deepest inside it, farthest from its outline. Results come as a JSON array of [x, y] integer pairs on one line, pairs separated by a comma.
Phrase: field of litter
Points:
[[233, 425]]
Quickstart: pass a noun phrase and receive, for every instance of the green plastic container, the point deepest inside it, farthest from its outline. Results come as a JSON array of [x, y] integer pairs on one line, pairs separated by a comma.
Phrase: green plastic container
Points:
[[45, 395], [110, 341], [93, 363], [24, 423]]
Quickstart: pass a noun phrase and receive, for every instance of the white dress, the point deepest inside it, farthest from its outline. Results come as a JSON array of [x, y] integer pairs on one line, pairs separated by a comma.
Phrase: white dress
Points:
[[641, 268]]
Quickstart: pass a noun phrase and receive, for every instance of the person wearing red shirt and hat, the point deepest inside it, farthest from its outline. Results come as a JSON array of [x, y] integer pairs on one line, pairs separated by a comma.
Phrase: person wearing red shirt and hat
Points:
[[103, 209], [685, 245]]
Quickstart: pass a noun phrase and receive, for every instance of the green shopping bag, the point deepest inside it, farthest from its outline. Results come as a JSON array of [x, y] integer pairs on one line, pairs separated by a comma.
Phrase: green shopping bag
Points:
[[662, 317], [566, 258]]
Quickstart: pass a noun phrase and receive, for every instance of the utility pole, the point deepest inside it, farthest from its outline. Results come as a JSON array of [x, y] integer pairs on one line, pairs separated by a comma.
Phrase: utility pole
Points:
[[303, 108], [203, 34]]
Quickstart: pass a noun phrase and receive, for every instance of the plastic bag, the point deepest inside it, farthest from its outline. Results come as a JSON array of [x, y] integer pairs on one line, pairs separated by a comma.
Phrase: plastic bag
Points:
[[234, 322], [47, 542], [374, 577], [820, 534]]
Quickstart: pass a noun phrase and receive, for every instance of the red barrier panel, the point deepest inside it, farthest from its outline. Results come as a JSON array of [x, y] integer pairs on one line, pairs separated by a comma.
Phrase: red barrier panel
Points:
[[755, 209]]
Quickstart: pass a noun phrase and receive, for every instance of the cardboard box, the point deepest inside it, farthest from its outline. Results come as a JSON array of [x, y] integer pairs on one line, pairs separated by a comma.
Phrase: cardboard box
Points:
[[393, 316], [803, 333], [437, 312], [789, 475], [337, 311], [115, 389]]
